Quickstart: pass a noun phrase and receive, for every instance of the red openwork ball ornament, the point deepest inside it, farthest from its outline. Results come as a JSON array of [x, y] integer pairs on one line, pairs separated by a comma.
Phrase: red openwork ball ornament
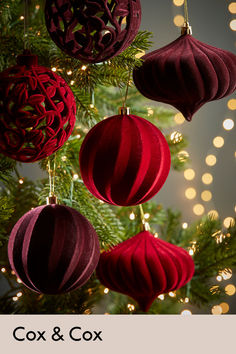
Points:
[[37, 110], [124, 160], [144, 267], [93, 31], [186, 74], [53, 249]]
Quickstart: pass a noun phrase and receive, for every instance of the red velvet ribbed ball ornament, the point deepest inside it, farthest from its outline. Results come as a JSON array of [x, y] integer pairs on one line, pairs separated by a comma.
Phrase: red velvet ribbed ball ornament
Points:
[[37, 110], [53, 249], [93, 31], [124, 160], [186, 74], [144, 267]]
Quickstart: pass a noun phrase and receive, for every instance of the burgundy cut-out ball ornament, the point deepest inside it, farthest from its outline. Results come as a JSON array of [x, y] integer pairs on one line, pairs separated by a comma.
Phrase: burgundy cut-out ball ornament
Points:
[[37, 110], [124, 160], [53, 249], [186, 74], [144, 267], [93, 31]]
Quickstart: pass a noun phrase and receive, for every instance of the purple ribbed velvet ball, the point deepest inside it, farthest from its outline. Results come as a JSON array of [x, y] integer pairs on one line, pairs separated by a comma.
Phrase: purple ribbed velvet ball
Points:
[[187, 73], [53, 249]]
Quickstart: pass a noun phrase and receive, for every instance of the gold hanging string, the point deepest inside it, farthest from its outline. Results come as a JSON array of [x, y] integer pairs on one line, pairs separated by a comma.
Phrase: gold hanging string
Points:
[[186, 19], [145, 225], [51, 199], [127, 89], [26, 24]]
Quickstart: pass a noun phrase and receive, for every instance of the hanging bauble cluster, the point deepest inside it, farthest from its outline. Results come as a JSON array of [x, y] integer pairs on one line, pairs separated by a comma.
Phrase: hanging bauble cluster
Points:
[[186, 74], [37, 110], [124, 160], [93, 31], [53, 249], [144, 267]]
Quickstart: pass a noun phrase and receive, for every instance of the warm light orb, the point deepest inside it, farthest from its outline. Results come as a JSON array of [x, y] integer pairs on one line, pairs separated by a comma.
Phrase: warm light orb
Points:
[[232, 7], [179, 20], [219, 278], [225, 307], [213, 214], [211, 160], [189, 174], [176, 137], [229, 221], [232, 104], [198, 209], [226, 274], [207, 178], [185, 225], [228, 124], [186, 313], [218, 141], [178, 2], [230, 289], [206, 196], [179, 118], [183, 156], [216, 310], [232, 25], [132, 216], [190, 193]]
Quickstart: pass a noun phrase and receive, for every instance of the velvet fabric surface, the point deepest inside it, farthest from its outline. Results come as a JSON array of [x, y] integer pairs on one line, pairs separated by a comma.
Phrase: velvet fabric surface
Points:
[[37, 110], [124, 160], [53, 249], [93, 30], [144, 267], [186, 74]]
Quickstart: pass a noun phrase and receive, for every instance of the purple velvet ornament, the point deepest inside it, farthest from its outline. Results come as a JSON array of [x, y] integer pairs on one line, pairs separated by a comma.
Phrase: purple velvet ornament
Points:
[[53, 249], [187, 73], [93, 30]]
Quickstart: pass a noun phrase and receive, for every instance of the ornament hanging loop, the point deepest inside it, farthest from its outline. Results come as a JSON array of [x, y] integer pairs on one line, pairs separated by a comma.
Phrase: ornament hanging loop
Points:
[[52, 199], [144, 225], [186, 29]]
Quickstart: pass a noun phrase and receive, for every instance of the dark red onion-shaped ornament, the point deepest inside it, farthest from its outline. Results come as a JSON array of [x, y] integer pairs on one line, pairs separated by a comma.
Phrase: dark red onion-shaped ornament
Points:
[[124, 160], [37, 110], [186, 74], [144, 267], [93, 31], [53, 249]]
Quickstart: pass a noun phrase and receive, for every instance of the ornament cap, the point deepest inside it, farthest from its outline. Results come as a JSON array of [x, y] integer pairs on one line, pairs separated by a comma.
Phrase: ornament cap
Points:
[[124, 111], [186, 29], [27, 58], [52, 199]]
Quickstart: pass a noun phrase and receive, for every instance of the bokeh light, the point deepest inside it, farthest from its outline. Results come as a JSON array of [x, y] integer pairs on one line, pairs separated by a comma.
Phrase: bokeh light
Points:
[[207, 178], [232, 25], [225, 307], [218, 141], [216, 310], [178, 20], [213, 214], [230, 289], [178, 2], [211, 160], [228, 124], [190, 193], [228, 221], [231, 7], [232, 104], [206, 196], [179, 118], [198, 209], [189, 174]]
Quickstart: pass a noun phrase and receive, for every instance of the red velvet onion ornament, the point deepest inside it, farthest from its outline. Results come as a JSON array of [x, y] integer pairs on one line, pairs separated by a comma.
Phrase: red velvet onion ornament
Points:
[[53, 249], [37, 110], [144, 267], [124, 160], [186, 74], [93, 31]]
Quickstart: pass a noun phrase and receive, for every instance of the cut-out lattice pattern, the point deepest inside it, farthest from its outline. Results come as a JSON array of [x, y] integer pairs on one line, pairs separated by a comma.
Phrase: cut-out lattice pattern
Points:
[[93, 30], [37, 111]]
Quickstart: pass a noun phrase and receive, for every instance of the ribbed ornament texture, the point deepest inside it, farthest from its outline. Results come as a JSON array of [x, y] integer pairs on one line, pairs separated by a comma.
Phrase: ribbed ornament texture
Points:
[[37, 110], [186, 74], [93, 30], [144, 267], [53, 249], [124, 160]]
